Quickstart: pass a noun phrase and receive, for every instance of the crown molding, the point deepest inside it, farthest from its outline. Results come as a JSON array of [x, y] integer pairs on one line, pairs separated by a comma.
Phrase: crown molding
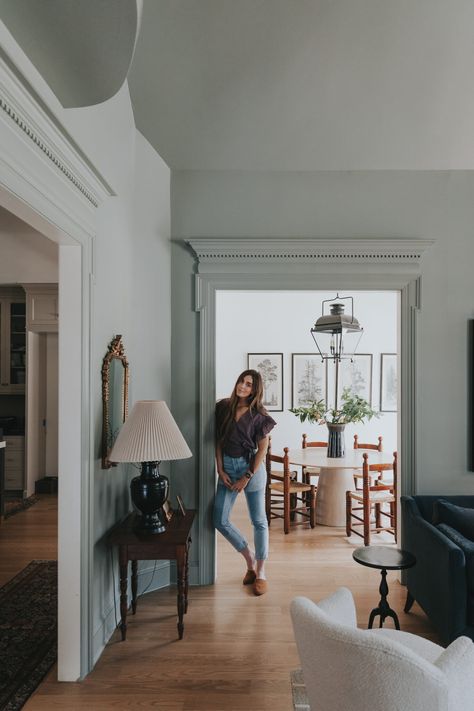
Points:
[[338, 249], [26, 113]]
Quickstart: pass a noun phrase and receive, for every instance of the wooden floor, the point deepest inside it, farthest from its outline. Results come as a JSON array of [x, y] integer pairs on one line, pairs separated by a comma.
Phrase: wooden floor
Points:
[[237, 650], [29, 535]]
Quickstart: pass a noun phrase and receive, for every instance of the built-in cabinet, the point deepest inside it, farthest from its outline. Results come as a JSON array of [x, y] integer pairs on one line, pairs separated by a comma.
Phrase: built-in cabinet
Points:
[[28, 369], [42, 307], [12, 341]]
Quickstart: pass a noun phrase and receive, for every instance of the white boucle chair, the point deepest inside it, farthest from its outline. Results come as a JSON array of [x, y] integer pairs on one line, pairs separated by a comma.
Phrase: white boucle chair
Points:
[[346, 668]]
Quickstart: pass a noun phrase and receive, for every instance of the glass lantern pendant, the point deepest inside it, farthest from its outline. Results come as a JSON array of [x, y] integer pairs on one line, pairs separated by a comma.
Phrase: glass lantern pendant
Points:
[[336, 334]]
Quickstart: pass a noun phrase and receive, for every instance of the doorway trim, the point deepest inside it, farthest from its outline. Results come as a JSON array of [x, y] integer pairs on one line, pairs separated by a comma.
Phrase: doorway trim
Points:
[[303, 265], [48, 182]]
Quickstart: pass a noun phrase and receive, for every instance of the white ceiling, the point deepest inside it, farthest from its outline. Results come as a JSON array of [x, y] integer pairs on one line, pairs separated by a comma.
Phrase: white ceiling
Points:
[[284, 85], [306, 84]]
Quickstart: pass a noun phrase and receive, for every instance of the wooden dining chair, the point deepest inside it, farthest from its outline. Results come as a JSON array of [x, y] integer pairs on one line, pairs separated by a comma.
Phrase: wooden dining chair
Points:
[[372, 498], [284, 497], [308, 472], [364, 445]]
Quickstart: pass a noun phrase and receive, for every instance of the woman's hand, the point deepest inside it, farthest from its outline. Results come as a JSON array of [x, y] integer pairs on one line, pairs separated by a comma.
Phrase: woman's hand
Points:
[[240, 484], [225, 479]]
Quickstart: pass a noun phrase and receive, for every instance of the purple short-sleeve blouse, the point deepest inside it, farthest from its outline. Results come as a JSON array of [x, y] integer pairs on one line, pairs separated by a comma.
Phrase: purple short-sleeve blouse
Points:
[[244, 435]]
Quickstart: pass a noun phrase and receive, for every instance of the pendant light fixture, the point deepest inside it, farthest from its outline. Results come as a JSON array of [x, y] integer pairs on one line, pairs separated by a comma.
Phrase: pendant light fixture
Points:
[[337, 334]]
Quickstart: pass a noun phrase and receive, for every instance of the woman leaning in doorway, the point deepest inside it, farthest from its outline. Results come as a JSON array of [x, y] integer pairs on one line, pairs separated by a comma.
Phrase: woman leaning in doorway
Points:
[[242, 427]]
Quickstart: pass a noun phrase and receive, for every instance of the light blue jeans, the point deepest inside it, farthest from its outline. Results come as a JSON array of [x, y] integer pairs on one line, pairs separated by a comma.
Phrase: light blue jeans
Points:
[[254, 492]]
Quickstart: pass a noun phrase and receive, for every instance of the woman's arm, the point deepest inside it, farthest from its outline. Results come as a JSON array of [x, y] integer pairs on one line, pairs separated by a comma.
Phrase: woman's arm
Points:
[[223, 476], [259, 457], [261, 453]]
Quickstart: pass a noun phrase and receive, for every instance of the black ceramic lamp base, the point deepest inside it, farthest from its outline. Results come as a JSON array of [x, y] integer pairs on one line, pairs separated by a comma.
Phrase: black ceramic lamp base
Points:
[[149, 492]]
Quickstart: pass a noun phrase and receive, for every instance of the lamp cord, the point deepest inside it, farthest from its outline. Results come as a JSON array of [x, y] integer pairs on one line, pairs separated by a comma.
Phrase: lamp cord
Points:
[[113, 584]]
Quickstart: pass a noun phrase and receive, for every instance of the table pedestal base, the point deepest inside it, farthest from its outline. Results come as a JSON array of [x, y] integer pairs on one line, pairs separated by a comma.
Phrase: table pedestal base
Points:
[[331, 496], [384, 609]]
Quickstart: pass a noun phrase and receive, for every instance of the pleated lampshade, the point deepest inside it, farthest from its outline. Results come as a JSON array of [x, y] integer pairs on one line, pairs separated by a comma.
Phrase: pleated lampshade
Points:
[[149, 434]]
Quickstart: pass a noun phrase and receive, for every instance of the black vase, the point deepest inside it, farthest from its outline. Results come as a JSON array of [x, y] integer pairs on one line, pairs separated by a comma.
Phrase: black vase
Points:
[[336, 443]]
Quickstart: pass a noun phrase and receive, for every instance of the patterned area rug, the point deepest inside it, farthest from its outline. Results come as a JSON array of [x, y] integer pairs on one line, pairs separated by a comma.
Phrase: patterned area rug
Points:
[[13, 506], [298, 690], [28, 622]]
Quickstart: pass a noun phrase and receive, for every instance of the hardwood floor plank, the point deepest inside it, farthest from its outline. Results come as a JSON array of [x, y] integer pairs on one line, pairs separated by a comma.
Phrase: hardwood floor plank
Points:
[[238, 650]]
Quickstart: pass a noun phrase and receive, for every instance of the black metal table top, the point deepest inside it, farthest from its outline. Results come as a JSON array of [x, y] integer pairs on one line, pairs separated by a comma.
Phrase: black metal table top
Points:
[[384, 557]]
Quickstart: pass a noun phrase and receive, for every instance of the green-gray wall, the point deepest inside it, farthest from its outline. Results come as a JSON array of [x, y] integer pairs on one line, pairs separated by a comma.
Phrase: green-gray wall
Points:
[[431, 205]]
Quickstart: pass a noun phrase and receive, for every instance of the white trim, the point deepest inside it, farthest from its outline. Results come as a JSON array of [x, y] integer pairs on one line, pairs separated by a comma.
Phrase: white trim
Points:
[[49, 183], [41, 128], [357, 268]]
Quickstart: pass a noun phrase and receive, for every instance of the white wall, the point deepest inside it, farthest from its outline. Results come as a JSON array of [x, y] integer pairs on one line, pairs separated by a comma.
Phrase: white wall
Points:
[[279, 322]]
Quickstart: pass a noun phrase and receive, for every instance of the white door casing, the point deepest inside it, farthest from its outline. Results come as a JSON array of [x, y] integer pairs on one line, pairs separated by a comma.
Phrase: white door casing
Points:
[[46, 181]]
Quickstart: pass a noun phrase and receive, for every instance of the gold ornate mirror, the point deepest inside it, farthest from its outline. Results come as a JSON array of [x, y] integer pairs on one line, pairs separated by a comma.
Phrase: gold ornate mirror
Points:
[[114, 396]]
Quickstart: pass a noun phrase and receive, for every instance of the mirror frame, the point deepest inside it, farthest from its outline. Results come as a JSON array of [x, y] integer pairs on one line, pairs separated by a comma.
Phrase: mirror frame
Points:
[[115, 351]]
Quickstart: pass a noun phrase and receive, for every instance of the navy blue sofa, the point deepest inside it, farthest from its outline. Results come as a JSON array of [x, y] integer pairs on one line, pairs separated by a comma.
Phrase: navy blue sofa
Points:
[[442, 581]]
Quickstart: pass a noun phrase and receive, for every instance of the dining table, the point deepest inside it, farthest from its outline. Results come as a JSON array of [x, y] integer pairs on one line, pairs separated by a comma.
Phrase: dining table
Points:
[[336, 476]]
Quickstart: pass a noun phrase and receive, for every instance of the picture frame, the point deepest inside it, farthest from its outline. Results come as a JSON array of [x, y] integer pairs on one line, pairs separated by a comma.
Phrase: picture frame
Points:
[[309, 379], [356, 374], [388, 382], [270, 367], [167, 510], [181, 508]]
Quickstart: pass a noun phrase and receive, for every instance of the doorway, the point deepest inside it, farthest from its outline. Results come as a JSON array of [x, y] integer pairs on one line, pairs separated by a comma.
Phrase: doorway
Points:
[[298, 264], [256, 327]]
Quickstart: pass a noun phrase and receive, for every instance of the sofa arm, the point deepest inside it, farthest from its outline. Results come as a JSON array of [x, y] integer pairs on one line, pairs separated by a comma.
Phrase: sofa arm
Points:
[[438, 580], [457, 663]]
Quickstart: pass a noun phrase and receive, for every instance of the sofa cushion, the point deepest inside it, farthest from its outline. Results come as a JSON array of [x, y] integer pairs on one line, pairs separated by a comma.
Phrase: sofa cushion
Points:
[[458, 517], [467, 548]]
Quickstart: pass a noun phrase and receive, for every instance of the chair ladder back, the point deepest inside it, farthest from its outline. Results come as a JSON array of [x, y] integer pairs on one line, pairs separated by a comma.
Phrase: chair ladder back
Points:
[[282, 501], [366, 501], [367, 445], [305, 443]]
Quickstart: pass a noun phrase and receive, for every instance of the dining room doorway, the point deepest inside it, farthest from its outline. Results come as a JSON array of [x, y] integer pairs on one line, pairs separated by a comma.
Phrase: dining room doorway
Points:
[[270, 331]]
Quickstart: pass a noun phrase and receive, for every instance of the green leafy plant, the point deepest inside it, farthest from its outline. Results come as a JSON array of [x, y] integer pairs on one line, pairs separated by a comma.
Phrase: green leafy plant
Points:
[[353, 409]]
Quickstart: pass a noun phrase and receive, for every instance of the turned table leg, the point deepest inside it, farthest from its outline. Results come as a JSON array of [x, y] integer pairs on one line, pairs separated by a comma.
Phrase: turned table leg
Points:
[[186, 576], [134, 585], [180, 560], [123, 565], [384, 609]]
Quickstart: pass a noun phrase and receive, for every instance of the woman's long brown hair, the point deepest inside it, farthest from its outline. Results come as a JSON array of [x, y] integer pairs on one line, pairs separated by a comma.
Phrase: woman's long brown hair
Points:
[[254, 402]]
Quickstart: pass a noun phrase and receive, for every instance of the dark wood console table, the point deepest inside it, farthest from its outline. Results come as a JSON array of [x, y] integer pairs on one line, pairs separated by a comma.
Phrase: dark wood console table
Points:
[[135, 545]]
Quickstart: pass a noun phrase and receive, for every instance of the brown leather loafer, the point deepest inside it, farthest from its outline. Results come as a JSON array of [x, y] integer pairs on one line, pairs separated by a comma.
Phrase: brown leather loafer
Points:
[[249, 578], [260, 586]]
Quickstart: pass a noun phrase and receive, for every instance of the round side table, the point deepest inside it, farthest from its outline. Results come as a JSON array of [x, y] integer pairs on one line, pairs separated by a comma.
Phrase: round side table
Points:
[[384, 558]]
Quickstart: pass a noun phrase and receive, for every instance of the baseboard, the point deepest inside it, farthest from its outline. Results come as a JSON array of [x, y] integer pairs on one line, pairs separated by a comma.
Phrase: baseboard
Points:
[[150, 578]]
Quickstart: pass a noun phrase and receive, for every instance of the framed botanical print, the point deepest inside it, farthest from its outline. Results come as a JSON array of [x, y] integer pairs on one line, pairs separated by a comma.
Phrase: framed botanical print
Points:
[[388, 382], [356, 374], [308, 379], [270, 367]]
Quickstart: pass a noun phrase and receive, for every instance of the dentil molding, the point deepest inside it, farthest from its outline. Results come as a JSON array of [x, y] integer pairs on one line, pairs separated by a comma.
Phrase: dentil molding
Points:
[[30, 118], [378, 250]]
